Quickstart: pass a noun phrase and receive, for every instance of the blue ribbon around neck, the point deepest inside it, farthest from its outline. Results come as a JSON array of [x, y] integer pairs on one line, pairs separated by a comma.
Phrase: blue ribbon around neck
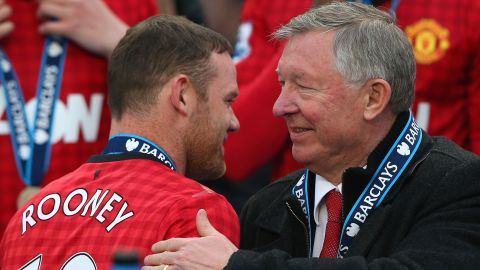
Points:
[[126, 143], [32, 142], [388, 172]]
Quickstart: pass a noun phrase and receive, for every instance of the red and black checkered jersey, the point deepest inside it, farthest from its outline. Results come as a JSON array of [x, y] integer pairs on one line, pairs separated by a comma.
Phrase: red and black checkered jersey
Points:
[[446, 40], [81, 124], [263, 137], [113, 202]]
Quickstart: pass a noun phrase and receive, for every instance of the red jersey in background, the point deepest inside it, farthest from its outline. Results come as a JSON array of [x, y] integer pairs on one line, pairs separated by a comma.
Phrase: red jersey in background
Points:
[[82, 122]]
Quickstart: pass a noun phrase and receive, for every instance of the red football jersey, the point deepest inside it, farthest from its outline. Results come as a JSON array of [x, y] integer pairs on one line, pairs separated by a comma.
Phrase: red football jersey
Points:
[[81, 124], [111, 203], [262, 137], [446, 39]]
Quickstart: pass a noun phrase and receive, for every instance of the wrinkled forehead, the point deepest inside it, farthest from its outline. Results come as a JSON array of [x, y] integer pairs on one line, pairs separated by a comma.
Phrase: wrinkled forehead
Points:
[[307, 51]]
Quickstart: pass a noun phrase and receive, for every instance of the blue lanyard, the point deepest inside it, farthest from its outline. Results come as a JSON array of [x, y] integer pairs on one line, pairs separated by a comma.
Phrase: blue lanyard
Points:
[[32, 143], [393, 8], [388, 172], [125, 143], [300, 191]]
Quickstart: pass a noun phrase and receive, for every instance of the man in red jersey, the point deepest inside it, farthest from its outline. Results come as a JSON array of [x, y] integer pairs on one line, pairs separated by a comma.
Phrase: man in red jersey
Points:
[[256, 58], [445, 39], [78, 112], [171, 86]]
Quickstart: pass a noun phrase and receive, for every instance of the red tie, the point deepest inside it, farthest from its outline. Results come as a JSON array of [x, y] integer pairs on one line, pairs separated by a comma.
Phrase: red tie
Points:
[[334, 222]]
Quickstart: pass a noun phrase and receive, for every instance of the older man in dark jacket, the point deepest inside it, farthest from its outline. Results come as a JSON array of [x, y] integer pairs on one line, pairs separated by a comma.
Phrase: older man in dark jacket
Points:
[[377, 191]]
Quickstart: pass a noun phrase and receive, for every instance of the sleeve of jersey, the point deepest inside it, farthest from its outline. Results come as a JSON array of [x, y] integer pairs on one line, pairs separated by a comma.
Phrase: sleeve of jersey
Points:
[[182, 217], [474, 88], [261, 135], [148, 8]]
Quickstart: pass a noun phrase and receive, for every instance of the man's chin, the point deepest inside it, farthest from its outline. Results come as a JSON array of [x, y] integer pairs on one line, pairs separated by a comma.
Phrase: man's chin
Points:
[[214, 173], [300, 156]]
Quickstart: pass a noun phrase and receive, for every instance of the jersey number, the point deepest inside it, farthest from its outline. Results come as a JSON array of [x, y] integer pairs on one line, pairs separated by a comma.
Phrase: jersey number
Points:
[[80, 260]]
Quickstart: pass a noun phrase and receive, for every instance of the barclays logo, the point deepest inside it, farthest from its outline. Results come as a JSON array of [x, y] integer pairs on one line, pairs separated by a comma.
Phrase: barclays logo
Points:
[[300, 182], [41, 136], [403, 149], [353, 229], [131, 144], [6, 66], [24, 152], [55, 49]]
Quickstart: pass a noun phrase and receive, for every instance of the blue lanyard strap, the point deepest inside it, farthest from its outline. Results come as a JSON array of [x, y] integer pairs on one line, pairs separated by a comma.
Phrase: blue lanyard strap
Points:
[[387, 173], [393, 8], [126, 143], [300, 191], [31, 144]]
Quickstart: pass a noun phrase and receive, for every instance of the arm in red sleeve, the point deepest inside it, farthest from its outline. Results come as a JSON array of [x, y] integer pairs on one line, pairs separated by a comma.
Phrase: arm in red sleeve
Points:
[[474, 87], [261, 135], [181, 220]]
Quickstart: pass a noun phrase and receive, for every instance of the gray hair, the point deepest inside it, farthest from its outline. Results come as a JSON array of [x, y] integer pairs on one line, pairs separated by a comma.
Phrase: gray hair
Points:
[[367, 45]]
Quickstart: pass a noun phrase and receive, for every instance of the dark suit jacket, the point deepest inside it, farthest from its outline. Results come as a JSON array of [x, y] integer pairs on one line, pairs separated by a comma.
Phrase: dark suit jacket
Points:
[[429, 220]]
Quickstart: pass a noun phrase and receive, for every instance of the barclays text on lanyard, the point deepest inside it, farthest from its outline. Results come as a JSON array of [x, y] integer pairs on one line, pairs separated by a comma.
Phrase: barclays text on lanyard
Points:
[[125, 143], [32, 142], [387, 173], [300, 191]]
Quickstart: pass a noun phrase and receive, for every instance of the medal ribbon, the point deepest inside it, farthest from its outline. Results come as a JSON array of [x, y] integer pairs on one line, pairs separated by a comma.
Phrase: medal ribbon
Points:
[[125, 143], [393, 8], [387, 173], [32, 143], [300, 191]]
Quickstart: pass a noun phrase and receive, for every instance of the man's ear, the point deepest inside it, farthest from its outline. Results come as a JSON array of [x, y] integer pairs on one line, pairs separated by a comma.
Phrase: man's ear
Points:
[[378, 94], [181, 94]]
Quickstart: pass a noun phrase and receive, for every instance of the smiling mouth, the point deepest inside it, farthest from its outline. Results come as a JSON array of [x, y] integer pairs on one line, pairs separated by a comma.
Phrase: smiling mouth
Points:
[[297, 133], [299, 130]]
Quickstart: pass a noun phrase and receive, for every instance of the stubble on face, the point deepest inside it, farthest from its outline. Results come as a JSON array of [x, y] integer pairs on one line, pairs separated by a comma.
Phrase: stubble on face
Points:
[[205, 159], [211, 121]]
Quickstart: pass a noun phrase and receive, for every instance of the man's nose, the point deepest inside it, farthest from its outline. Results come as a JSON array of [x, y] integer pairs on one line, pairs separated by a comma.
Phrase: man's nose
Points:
[[234, 123], [284, 104]]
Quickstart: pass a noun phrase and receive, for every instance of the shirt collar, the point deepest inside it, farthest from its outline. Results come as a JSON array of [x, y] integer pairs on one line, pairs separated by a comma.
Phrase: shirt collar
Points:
[[322, 187]]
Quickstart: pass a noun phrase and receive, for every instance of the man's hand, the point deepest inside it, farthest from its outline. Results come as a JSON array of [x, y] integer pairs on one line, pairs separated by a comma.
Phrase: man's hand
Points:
[[211, 251], [6, 26], [89, 23]]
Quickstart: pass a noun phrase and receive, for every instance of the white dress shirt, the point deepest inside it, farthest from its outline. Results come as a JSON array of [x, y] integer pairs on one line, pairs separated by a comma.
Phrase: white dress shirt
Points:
[[320, 214]]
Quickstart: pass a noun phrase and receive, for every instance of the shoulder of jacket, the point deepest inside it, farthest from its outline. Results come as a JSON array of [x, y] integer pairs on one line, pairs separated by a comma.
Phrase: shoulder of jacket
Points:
[[275, 190], [447, 152]]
